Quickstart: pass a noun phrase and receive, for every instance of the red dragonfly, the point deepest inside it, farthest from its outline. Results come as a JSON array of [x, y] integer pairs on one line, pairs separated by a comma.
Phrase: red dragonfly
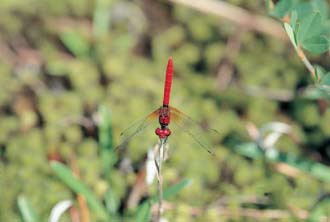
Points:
[[165, 115]]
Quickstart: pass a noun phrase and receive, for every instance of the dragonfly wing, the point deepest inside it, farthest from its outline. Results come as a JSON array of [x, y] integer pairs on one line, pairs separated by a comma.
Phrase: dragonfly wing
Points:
[[195, 130], [137, 127]]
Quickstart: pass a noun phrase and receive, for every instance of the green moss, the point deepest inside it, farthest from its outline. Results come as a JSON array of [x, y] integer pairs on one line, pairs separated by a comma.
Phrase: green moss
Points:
[[51, 54], [199, 29], [261, 111], [307, 114]]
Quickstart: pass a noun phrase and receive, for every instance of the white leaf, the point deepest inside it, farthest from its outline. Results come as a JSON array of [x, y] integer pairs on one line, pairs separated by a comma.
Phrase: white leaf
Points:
[[271, 139], [150, 167], [276, 129], [59, 209]]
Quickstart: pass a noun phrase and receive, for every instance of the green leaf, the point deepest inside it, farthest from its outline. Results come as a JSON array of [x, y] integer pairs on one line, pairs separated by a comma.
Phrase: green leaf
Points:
[[321, 6], [324, 84], [315, 169], [320, 210], [312, 34], [326, 90], [325, 80], [283, 7], [293, 21], [317, 44], [171, 191], [291, 34], [144, 212], [27, 212], [309, 27], [65, 174], [319, 71], [249, 150], [315, 93], [77, 45], [303, 9]]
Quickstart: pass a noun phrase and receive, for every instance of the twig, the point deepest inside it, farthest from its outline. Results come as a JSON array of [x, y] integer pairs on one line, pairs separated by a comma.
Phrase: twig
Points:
[[271, 5], [81, 120], [301, 54], [237, 15], [240, 212], [138, 190], [273, 94], [158, 163], [240, 199], [74, 214], [306, 62]]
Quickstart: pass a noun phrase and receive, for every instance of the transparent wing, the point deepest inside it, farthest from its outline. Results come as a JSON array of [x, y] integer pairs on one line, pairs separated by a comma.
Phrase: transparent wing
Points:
[[137, 127], [201, 135]]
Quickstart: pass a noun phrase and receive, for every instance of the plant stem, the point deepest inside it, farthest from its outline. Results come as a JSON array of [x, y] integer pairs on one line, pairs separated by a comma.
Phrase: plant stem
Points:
[[306, 62], [160, 190], [84, 211], [158, 163], [237, 15]]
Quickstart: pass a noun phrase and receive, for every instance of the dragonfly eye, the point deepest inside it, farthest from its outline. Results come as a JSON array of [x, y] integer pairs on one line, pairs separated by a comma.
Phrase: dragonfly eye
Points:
[[158, 131], [167, 132], [163, 133]]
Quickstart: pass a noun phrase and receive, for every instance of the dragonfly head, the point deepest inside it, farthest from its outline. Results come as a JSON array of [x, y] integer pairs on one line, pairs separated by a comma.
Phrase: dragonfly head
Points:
[[163, 133]]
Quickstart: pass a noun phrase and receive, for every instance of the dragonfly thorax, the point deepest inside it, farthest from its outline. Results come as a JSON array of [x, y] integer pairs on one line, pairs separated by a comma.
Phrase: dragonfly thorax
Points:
[[164, 116]]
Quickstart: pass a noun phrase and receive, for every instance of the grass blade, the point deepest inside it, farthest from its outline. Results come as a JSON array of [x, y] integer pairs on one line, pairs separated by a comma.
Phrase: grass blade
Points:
[[27, 212], [315, 169], [108, 157], [75, 43], [65, 174], [144, 212], [173, 190], [111, 202]]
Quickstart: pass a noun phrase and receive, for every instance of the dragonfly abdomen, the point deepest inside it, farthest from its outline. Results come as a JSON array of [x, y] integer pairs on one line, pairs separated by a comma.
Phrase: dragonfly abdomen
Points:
[[168, 82]]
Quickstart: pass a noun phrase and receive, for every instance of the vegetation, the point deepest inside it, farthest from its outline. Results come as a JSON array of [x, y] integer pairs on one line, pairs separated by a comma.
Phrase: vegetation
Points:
[[74, 74]]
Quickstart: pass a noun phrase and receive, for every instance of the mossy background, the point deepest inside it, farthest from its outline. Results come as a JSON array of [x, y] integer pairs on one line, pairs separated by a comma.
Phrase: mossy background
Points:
[[59, 60]]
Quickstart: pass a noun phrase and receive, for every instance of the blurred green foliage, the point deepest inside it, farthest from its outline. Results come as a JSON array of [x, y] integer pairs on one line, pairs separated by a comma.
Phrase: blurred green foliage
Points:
[[60, 60]]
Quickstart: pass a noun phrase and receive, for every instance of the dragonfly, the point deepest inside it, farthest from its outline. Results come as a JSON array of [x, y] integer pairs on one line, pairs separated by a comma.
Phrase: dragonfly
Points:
[[167, 114]]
